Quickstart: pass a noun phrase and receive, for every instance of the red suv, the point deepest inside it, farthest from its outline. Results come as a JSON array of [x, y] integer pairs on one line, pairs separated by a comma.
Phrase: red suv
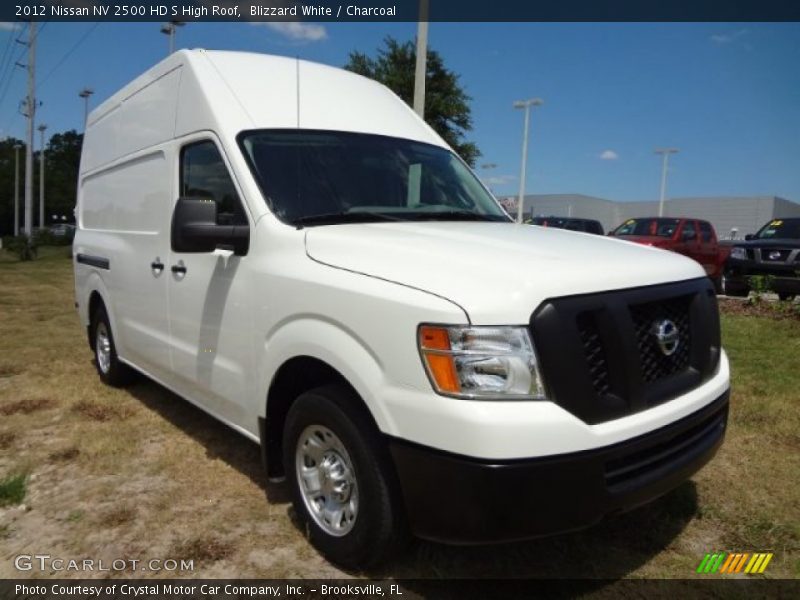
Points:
[[691, 237]]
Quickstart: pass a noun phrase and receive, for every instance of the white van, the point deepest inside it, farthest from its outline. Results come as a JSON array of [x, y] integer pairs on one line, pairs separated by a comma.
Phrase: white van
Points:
[[290, 248]]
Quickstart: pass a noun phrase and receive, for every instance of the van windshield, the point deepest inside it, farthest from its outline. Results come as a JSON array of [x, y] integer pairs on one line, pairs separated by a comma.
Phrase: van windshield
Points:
[[328, 177]]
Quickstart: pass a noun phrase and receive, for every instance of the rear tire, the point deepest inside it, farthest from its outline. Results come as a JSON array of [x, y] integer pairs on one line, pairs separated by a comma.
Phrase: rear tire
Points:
[[112, 372], [342, 481], [785, 296]]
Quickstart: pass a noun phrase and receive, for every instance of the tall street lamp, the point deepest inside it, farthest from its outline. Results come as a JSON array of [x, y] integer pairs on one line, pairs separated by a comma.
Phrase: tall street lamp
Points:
[[41, 129], [85, 93], [525, 104], [421, 66], [170, 29], [665, 152]]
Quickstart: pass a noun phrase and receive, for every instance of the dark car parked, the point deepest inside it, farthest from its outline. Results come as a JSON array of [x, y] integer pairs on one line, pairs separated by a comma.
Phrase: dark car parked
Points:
[[774, 251], [584, 225]]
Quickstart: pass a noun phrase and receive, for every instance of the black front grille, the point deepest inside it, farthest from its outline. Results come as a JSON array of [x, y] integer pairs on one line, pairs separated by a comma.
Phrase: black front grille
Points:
[[775, 254], [595, 352], [600, 356], [656, 364]]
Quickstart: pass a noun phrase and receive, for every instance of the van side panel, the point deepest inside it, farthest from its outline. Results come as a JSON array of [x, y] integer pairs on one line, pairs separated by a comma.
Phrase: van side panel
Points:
[[144, 118], [125, 197], [124, 216]]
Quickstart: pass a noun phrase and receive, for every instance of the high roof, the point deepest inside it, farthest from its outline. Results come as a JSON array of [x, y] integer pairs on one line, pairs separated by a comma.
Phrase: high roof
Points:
[[227, 92]]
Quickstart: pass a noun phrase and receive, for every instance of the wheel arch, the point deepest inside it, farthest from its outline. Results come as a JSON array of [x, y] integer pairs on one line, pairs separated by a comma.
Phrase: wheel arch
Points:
[[97, 295], [294, 377]]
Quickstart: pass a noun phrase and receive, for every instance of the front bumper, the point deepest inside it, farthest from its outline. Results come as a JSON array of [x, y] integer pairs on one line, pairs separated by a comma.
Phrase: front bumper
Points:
[[456, 499], [784, 278]]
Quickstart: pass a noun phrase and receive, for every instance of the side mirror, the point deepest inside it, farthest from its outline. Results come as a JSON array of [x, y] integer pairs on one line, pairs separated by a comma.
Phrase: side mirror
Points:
[[195, 229], [749, 237]]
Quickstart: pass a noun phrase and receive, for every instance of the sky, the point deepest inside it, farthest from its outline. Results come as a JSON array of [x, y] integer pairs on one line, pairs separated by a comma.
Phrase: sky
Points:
[[726, 95]]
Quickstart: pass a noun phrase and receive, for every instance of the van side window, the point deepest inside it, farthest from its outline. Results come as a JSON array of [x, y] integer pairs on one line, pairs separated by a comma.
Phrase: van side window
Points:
[[204, 175], [689, 231], [705, 231]]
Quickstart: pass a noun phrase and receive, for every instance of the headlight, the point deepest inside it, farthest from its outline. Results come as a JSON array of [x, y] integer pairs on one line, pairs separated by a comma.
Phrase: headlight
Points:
[[738, 253], [481, 362]]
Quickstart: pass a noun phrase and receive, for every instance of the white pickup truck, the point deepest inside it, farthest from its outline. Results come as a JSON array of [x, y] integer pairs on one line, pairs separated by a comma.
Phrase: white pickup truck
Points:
[[289, 247]]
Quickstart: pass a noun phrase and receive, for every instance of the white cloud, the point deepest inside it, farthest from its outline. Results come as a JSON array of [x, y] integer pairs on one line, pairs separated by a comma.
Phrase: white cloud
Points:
[[727, 38], [8, 26], [498, 180], [609, 155], [296, 31]]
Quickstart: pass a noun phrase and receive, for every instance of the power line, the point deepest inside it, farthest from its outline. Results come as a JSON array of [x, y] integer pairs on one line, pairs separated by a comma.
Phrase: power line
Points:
[[9, 69], [11, 75], [9, 62], [68, 53], [9, 42]]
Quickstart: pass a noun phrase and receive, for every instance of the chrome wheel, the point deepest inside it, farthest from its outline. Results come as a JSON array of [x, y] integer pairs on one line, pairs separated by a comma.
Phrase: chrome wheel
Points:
[[327, 480], [102, 347]]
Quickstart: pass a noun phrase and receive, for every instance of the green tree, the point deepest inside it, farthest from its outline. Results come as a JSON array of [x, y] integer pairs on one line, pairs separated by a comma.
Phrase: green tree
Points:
[[62, 161], [447, 108], [7, 162]]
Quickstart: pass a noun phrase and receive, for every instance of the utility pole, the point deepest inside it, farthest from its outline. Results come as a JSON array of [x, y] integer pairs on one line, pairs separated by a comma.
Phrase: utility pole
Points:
[[524, 104], [30, 106], [170, 29], [422, 59], [665, 152], [85, 93], [16, 189], [41, 129]]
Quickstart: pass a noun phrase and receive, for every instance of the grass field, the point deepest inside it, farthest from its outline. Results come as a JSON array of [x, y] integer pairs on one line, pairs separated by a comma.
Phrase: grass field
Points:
[[89, 471]]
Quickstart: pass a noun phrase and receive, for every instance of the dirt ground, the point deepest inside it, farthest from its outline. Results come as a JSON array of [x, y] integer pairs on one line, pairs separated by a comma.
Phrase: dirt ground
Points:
[[141, 474]]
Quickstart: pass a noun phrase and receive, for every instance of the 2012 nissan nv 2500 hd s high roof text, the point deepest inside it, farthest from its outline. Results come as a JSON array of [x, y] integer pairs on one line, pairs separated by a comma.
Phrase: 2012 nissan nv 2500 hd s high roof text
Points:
[[289, 247]]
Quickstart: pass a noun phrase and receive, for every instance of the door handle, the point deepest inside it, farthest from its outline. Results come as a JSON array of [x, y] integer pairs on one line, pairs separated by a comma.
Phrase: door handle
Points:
[[157, 267], [179, 269]]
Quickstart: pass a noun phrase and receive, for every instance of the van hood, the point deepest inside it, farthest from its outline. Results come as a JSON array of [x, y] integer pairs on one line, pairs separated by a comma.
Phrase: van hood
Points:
[[497, 272]]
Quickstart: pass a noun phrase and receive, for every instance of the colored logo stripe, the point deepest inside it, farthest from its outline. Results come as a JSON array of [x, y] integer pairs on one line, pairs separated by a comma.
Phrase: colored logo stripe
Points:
[[721, 562], [711, 563]]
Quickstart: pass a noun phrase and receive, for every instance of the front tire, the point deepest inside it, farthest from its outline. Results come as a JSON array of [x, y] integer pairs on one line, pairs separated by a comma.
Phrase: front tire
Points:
[[112, 372], [342, 482], [786, 296], [717, 281], [734, 292]]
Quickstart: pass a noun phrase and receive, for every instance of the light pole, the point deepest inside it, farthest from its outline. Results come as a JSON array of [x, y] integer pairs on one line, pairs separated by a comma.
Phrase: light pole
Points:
[[526, 104], [421, 66], [85, 93], [41, 129], [16, 189], [665, 152], [169, 29]]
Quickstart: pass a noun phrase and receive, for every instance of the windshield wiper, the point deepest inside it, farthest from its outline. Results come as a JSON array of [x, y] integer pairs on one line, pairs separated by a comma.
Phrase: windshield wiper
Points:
[[456, 215], [342, 218]]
